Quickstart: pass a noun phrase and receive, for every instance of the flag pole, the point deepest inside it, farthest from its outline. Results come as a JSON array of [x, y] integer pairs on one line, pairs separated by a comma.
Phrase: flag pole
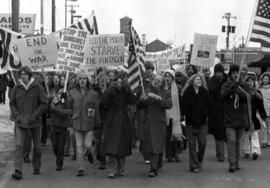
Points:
[[243, 57], [132, 38]]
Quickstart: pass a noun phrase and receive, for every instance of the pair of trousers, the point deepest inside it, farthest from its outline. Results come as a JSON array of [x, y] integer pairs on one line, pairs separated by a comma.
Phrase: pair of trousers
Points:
[[116, 164], [3, 97], [196, 137], [21, 135], [58, 143], [265, 132], [156, 161], [27, 146], [173, 147], [234, 136], [70, 145], [45, 129], [100, 148], [250, 143], [83, 144], [220, 149]]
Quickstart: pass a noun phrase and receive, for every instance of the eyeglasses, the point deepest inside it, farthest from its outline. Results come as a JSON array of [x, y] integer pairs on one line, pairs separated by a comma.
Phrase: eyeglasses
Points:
[[82, 78]]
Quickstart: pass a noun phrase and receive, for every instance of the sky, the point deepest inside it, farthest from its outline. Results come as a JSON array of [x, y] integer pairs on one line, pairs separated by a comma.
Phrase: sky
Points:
[[167, 20]]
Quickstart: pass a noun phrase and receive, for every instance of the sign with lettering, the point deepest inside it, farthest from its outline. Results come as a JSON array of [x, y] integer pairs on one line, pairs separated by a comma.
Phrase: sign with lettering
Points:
[[204, 50], [26, 23], [38, 51], [104, 50], [71, 51], [175, 53]]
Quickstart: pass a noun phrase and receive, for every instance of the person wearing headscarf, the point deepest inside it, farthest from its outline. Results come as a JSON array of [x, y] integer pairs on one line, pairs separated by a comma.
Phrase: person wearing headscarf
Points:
[[83, 101], [154, 104], [216, 111], [195, 108], [265, 90], [173, 117], [251, 144], [118, 127]]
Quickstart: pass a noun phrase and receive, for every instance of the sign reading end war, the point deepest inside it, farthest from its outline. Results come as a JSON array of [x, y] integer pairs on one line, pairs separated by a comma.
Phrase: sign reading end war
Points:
[[104, 50], [38, 51], [71, 51], [204, 50]]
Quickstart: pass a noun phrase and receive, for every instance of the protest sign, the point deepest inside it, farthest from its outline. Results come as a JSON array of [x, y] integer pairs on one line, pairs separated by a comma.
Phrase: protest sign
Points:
[[71, 51], [175, 53], [37, 51], [162, 65], [104, 50], [204, 50]]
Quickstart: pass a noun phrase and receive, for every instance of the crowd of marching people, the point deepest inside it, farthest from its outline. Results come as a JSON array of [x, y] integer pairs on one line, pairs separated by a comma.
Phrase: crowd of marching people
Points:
[[103, 118]]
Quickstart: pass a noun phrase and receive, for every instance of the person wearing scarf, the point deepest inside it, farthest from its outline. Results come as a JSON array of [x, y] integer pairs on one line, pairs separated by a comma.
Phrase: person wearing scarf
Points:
[[154, 104], [265, 89], [174, 130], [195, 108]]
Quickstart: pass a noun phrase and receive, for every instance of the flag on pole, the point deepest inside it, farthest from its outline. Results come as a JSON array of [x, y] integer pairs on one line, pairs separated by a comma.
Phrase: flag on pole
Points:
[[87, 24], [9, 58], [135, 62], [261, 27]]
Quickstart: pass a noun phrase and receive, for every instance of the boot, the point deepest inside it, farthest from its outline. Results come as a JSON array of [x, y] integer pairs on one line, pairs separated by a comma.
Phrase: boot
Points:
[[231, 167], [17, 175]]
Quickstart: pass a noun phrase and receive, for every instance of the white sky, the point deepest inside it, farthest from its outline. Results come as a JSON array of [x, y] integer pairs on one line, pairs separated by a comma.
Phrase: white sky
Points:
[[174, 20]]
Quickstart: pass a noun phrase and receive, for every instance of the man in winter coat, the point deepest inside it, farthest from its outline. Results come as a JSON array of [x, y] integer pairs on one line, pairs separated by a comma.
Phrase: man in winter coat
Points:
[[27, 103], [235, 115]]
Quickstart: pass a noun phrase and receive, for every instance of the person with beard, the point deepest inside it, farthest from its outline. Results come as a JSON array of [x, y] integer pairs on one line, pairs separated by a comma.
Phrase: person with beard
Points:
[[173, 119], [27, 103], [216, 111], [236, 116], [191, 70], [154, 104], [83, 101], [118, 127], [251, 144]]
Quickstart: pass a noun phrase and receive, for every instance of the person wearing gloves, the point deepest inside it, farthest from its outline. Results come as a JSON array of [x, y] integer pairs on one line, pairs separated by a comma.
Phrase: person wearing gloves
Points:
[[27, 103], [174, 129], [265, 90], [195, 107], [83, 101], [251, 144], [154, 104]]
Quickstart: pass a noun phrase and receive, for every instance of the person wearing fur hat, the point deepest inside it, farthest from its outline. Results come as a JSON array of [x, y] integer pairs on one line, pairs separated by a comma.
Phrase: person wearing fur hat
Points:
[[27, 103], [250, 141], [195, 108], [216, 111], [83, 101], [265, 90], [174, 129], [118, 127], [236, 117]]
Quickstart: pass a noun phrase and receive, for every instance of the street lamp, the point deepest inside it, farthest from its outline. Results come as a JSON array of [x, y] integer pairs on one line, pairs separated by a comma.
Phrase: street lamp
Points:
[[66, 10]]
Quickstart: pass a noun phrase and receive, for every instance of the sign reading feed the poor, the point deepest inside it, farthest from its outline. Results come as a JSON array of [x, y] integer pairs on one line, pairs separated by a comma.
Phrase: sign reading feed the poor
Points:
[[38, 51], [71, 50], [204, 50], [26, 23], [104, 50]]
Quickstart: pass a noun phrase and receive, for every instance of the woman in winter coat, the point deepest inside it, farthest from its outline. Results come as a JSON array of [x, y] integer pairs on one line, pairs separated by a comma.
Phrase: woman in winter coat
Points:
[[251, 144], [195, 107], [118, 128], [83, 101], [216, 111], [154, 105], [174, 130], [265, 90]]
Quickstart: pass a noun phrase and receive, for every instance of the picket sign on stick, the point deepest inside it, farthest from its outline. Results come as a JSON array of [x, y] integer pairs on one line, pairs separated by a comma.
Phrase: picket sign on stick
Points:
[[45, 81], [66, 82]]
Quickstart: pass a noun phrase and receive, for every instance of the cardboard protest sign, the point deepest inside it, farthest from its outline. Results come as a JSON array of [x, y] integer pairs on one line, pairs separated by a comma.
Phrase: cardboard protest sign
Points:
[[104, 50], [37, 51], [71, 51], [162, 65], [204, 50]]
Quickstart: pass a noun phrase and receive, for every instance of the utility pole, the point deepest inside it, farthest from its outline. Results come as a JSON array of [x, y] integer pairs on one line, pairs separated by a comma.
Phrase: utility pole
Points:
[[15, 15], [53, 15], [66, 10], [72, 12], [41, 17], [230, 29]]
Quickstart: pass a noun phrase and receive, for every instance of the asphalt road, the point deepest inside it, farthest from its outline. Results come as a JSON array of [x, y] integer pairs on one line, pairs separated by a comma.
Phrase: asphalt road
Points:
[[254, 174]]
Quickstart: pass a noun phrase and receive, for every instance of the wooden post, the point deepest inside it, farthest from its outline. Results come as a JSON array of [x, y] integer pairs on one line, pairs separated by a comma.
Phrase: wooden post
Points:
[[15, 15]]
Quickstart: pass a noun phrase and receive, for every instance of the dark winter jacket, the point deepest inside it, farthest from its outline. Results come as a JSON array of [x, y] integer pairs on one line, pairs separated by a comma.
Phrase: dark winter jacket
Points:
[[27, 105], [60, 114], [195, 106]]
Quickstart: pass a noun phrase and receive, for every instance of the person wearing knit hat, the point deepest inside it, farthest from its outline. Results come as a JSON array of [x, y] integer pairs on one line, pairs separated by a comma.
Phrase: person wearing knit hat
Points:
[[216, 112], [173, 119], [236, 115], [27, 103]]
